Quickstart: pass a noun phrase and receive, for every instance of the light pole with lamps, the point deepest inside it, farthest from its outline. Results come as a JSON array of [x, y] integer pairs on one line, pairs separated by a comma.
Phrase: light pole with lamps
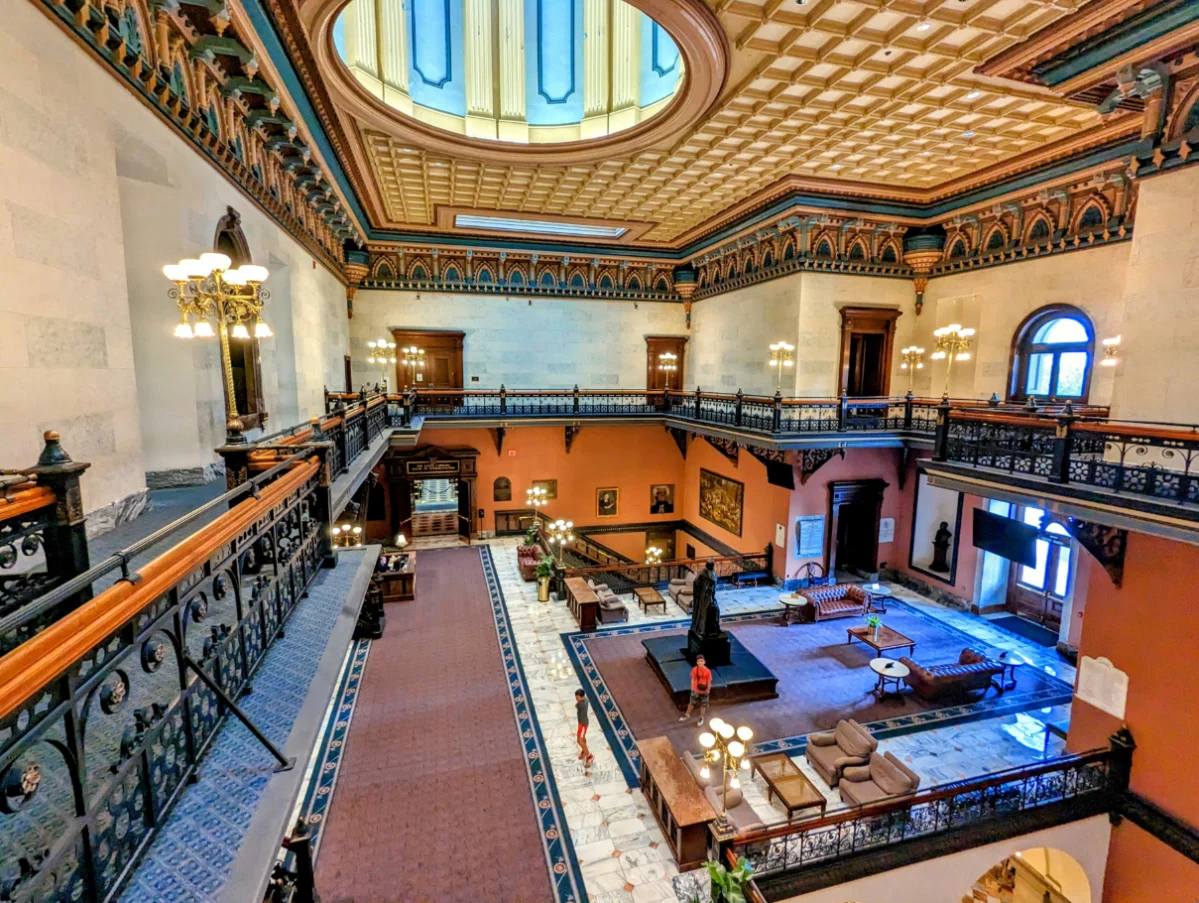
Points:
[[913, 360], [382, 352], [414, 358], [209, 287], [653, 555], [558, 534], [952, 342], [780, 358], [727, 745]]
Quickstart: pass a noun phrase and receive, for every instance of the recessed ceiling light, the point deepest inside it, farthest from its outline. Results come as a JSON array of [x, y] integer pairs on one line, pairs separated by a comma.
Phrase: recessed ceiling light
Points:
[[967, 134], [973, 94], [539, 227], [835, 166], [926, 153], [924, 25]]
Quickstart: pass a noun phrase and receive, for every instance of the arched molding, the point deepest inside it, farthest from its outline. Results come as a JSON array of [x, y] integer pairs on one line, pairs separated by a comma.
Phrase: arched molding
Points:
[[997, 229], [1096, 201], [693, 27], [1043, 219]]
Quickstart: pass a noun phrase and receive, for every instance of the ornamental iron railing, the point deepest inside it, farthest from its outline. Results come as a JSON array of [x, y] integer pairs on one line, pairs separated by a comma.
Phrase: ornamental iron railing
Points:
[[621, 578], [1098, 776], [105, 714], [1158, 461], [768, 415], [43, 543]]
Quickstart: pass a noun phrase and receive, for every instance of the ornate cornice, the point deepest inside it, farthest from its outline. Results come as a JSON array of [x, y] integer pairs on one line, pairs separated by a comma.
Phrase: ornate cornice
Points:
[[197, 67]]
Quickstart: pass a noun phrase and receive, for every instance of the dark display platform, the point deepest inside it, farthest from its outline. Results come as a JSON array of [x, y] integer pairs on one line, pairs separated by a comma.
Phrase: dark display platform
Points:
[[742, 680]]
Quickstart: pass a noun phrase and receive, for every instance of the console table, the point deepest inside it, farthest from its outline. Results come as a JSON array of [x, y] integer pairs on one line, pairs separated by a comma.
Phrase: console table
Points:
[[682, 810], [583, 602], [399, 586]]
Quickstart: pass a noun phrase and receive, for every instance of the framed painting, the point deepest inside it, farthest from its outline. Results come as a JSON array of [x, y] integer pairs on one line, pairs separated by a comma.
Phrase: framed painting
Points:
[[550, 487], [607, 502], [661, 499], [721, 500]]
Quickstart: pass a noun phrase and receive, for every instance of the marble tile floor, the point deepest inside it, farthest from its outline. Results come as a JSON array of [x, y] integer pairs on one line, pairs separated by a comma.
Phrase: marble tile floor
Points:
[[622, 854]]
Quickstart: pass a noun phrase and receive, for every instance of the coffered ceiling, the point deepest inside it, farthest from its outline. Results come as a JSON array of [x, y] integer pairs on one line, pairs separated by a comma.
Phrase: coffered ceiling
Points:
[[878, 99]]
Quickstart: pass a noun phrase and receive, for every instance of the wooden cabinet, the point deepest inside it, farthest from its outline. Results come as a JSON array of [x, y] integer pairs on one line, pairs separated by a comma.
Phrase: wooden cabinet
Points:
[[679, 805], [400, 585], [584, 603]]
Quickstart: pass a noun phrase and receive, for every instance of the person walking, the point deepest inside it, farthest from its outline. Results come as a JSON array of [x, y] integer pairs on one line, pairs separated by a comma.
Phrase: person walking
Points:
[[581, 733], [701, 688]]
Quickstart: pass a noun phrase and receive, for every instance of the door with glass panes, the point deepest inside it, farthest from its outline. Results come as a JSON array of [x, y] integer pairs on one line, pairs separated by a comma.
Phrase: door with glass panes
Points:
[[1040, 592]]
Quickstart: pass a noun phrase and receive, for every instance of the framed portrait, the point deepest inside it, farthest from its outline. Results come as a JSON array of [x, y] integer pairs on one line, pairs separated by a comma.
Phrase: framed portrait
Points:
[[550, 487], [661, 499], [721, 500], [607, 502]]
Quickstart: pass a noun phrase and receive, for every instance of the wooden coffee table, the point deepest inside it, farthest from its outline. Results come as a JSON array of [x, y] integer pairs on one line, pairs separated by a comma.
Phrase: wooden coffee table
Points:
[[648, 596], [886, 639], [784, 779]]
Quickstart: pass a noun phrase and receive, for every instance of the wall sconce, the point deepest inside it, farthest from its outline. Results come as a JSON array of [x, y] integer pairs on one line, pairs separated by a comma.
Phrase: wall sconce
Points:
[[1111, 352], [653, 555]]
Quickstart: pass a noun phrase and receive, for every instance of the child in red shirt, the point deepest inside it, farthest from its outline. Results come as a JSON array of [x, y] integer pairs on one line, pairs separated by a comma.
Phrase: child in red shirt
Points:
[[701, 687]]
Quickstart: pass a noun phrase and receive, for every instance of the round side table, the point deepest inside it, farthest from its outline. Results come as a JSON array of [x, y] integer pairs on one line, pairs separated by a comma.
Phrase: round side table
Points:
[[793, 606], [890, 672]]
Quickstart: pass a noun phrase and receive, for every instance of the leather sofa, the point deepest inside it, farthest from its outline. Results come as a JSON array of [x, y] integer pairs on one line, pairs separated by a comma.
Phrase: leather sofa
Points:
[[883, 777], [526, 560], [682, 591], [831, 753], [844, 600], [971, 672]]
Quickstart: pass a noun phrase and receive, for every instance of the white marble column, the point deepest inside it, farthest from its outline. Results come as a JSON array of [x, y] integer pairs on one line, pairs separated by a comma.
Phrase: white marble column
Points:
[[480, 70], [597, 54], [626, 67], [511, 22]]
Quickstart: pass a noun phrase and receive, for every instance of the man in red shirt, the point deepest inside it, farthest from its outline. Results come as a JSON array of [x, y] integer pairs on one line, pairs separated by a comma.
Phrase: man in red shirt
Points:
[[701, 687]]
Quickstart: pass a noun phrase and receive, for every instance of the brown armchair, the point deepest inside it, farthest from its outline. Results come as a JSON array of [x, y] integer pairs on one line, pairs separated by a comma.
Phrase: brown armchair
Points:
[[884, 777], [526, 560], [845, 600], [850, 744], [973, 671]]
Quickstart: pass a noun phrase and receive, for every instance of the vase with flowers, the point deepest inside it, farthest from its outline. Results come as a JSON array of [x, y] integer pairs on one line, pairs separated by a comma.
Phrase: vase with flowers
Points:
[[874, 622]]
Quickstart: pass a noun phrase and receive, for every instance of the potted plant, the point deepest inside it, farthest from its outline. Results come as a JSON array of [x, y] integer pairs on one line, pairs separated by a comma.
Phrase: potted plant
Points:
[[545, 570], [874, 622], [729, 886], [531, 534]]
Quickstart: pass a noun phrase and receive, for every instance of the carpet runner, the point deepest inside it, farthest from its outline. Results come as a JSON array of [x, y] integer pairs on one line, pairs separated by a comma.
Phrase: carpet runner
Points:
[[433, 799]]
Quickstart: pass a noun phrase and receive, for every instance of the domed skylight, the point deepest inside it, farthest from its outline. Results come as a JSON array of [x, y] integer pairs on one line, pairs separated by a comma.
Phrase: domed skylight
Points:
[[528, 71]]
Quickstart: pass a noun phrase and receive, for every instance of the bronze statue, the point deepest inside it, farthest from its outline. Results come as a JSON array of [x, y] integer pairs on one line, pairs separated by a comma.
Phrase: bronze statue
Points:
[[940, 549], [705, 636]]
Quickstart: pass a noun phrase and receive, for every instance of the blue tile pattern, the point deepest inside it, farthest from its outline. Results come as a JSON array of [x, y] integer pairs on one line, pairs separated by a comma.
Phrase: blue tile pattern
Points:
[[1049, 692], [191, 858]]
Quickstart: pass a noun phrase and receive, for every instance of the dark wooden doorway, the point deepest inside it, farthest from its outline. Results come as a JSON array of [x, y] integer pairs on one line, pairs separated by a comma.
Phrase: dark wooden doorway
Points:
[[867, 340], [405, 468], [658, 374], [442, 367], [349, 376], [855, 507]]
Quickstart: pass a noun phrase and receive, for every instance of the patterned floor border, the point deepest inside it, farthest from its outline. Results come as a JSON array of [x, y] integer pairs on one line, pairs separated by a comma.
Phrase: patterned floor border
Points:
[[318, 793], [624, 743]]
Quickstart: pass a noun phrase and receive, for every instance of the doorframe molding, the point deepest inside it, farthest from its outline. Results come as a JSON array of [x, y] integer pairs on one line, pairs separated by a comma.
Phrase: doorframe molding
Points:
[[868, 321], [420, 337], [843, 492]]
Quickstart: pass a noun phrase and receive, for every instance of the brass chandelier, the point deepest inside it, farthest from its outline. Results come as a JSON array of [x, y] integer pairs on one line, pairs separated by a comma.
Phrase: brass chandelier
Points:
[[208, 290]]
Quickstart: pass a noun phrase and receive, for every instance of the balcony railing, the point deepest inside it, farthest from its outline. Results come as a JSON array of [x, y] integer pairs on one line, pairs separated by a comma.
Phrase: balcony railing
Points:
[[1088, 783], [768, 415], [1151, 461], [106, 713]]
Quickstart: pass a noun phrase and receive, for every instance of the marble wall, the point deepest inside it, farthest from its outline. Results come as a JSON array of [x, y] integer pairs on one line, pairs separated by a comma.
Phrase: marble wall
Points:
[[522, 342], [996, 300], [98, 195], [729, 348]]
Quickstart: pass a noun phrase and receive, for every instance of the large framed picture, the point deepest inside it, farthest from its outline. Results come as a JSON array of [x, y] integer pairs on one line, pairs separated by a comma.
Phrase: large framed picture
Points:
[[607, 502], [721, 500], [661, 499], [550, 487]]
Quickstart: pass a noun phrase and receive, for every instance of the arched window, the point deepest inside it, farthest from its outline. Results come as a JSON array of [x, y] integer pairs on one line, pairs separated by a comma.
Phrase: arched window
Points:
[[1052, 355]]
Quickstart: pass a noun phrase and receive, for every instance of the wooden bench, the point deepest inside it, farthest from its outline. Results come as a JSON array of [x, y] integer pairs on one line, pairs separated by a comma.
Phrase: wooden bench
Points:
[[742, 577]]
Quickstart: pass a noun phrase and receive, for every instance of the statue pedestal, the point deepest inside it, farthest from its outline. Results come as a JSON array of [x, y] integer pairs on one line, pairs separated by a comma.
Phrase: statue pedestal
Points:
[[715, 648]]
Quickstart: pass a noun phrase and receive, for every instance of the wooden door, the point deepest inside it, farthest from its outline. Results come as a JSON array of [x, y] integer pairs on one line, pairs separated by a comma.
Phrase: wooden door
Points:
[[855, 507], [349, 377], [442, 366], [658, 372], [867, 342], [465, 508]]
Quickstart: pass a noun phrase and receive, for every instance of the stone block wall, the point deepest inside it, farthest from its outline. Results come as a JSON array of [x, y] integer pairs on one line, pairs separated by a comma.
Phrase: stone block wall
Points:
[[522, 342]]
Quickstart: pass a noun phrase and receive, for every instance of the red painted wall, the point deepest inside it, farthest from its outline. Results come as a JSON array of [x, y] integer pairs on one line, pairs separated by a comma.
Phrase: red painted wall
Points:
[[1142, 869], [631, 458], [1146, 628]]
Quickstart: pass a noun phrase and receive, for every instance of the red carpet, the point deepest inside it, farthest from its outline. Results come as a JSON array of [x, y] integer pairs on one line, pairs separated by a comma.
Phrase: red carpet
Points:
[[433, 801]]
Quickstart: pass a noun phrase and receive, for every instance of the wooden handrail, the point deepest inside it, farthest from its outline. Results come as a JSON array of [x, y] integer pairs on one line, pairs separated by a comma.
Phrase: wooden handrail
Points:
[[22, 501], [944, 791], [33, 665], [680, 562], [329, 422], [351, 414], [1009, 419], [1147, 432]]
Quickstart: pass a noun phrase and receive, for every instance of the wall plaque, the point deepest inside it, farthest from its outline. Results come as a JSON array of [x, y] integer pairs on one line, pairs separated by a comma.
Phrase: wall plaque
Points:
[[886, 529], [809, 536], [1103, 685], [435, 467]]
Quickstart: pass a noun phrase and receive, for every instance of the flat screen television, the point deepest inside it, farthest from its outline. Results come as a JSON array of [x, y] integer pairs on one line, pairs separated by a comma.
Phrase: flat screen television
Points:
[[1005, 537]]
